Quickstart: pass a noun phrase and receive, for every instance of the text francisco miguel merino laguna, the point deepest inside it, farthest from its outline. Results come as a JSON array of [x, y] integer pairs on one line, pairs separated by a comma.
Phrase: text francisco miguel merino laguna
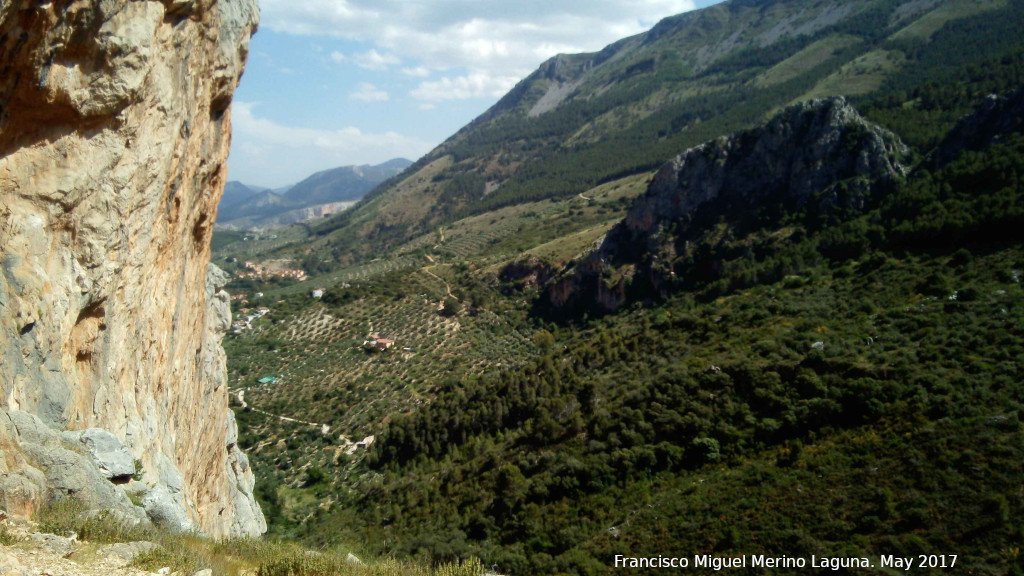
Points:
[[762, 561]]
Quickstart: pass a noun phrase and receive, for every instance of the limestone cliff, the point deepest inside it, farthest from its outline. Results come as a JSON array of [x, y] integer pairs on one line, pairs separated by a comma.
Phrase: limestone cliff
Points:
[[819, 156], [114, 134]]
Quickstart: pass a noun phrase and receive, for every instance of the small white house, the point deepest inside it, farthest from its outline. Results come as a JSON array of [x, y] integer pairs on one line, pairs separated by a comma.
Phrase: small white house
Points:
[[318, 293]]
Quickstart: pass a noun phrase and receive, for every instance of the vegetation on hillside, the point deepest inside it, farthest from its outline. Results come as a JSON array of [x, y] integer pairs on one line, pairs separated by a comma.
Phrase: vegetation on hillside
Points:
[[634, 111], [843, 386]]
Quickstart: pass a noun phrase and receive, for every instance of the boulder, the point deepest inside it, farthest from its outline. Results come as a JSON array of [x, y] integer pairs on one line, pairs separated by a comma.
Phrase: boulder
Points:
[[59, 545], [115, 461], [167, 509]]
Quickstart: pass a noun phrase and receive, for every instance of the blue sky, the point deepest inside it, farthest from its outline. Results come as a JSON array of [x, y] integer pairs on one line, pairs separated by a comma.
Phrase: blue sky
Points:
[[338, 82]]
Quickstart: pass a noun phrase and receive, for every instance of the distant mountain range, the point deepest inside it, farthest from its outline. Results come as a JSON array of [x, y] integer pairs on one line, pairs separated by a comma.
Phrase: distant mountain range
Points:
[[323, 193]]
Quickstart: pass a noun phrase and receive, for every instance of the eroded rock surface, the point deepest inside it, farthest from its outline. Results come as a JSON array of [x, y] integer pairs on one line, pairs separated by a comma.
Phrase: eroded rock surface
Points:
[[819, 156], [114, 134]]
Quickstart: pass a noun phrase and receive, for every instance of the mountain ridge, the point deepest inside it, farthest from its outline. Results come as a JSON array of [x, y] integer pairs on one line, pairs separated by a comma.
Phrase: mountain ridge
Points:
[[584, 119], [819, 156], [322, 192]]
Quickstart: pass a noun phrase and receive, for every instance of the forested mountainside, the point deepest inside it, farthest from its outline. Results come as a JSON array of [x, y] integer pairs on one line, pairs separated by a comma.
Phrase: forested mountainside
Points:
[[842, 386], [581, 120], [789, 325]]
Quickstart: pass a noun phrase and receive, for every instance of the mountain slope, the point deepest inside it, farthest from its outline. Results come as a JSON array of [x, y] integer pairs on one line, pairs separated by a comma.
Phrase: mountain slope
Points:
[[583, 119], [831, 370], [819, 158], [234, 193], [812, 393], [343, 184], [324, 192]]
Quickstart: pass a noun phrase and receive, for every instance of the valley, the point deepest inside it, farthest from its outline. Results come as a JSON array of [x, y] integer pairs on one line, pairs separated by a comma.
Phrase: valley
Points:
[[673, 297]]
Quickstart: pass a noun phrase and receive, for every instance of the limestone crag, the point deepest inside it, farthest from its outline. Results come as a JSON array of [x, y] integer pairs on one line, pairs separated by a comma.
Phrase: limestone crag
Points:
[[995, 118], [114, 134], [819, 156], [38, 461], [821, 152]]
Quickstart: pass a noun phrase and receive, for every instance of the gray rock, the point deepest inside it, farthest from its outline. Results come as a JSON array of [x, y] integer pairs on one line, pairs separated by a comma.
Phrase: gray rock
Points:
[[73, 475], [115, 461], [58, 545], [167, 509], [992, 120], [170, 476], [798, 158], [30, 429], [819, 156], [135, 488], [41, 464], [204, 572], [249, 520]]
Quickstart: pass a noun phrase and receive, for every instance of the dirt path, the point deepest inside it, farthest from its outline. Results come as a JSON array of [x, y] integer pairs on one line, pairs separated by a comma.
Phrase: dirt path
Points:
[[447, 287], [325, 429], [440, 233]]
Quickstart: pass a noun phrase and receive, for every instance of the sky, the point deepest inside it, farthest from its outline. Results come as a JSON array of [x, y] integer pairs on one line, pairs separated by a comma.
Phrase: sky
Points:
[[347, 82]]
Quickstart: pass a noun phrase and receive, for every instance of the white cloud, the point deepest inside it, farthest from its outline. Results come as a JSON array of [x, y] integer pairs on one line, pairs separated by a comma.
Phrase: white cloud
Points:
[[337, 56], [488, 41], [272, 154], [369, 93], [418, 71], [373, 60], [476, 85]]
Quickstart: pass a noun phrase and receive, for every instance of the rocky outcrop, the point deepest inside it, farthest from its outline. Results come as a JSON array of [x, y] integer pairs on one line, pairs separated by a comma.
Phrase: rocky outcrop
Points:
[[37, 462], [994, 119], [526, 273], [114, 461], [820, 156], [114, 134]]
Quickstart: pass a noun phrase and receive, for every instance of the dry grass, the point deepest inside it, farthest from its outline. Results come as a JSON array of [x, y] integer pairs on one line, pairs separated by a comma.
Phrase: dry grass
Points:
[[189, 553], [806, 59], [948, 10]]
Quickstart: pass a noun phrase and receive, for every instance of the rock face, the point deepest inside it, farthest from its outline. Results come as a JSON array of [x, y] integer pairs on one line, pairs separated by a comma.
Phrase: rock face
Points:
[[818, 156], [38, 462], [995, 118], [114, 461], [114, 134], [821, 153]]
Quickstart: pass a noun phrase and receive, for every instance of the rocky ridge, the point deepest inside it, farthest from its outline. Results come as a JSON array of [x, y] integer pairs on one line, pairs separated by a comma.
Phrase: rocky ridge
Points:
[[114, 134], [820, 155], [996, 117]]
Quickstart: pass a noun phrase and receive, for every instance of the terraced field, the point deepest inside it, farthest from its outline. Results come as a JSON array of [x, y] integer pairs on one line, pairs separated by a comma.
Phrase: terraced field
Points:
[[330, 392], [325, 375]]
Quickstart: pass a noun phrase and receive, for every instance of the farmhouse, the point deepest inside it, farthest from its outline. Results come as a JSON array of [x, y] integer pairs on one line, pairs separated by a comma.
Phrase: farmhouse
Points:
[[377, 343]]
